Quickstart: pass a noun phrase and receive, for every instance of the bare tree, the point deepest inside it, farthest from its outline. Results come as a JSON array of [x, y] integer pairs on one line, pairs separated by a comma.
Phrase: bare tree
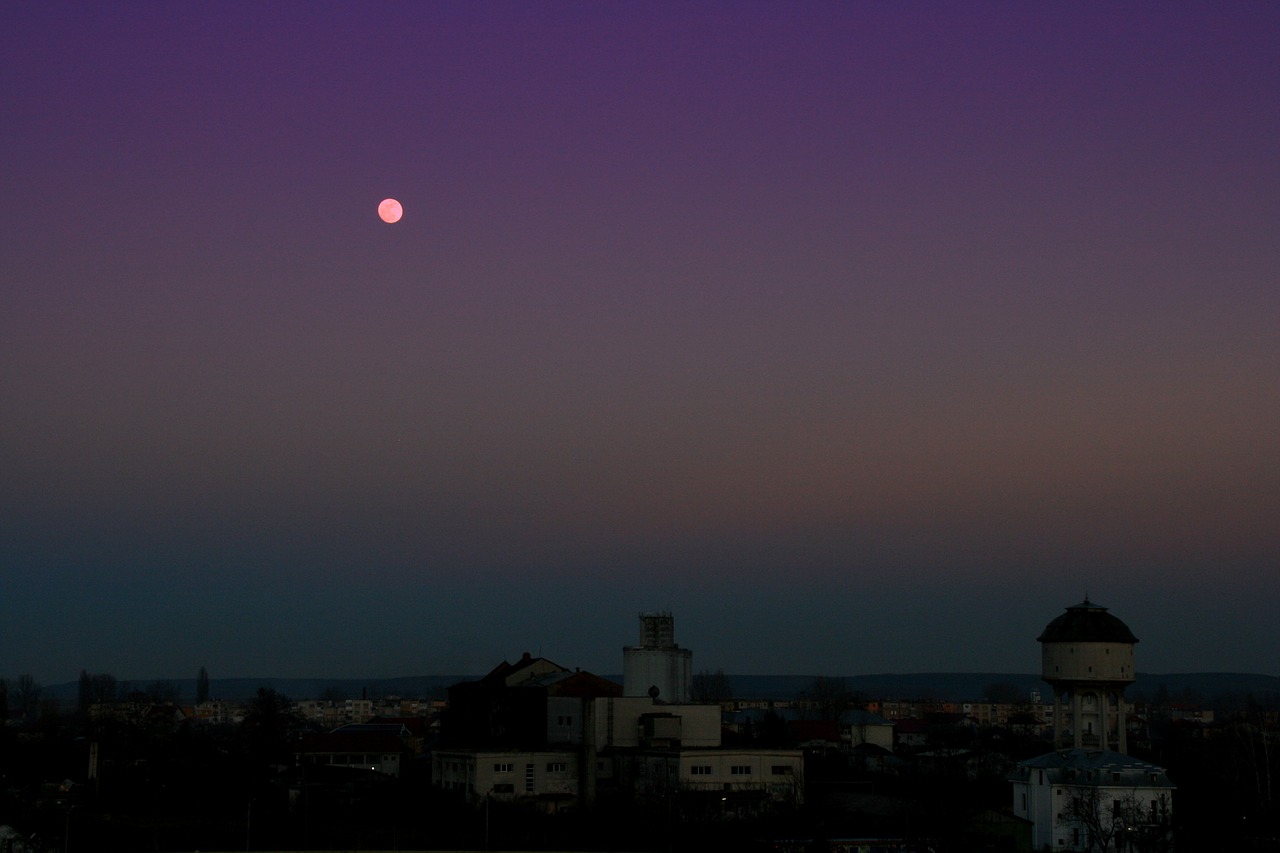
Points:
[[831, 697], [163, 692], [1124, 821], [334, 694], [96, 688], [202, 686], [1094, 815], [26, 696], [712, 686], [268, 718], [1002, 693]]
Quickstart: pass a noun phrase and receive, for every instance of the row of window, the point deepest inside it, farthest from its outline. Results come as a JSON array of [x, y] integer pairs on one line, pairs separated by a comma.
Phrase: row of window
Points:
[[552, 767], [740, 770], [694, 770]]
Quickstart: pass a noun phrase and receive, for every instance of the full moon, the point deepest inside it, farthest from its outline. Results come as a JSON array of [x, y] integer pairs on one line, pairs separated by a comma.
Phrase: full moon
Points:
[[390, 210]]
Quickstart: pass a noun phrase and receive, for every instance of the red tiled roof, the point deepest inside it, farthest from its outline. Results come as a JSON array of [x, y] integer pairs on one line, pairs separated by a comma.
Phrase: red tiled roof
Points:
[[584, 685]]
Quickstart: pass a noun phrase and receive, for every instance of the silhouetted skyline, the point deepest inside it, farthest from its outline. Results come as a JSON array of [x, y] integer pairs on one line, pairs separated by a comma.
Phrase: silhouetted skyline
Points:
[[863, 337]]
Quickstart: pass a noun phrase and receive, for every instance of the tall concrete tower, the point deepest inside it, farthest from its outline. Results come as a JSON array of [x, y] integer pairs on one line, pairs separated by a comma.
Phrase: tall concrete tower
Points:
[[657, 667], [1087, 658]]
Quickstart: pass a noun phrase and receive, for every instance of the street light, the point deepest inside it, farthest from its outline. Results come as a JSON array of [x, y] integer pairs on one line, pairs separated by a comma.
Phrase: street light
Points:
[[488, 796], [66, 831]]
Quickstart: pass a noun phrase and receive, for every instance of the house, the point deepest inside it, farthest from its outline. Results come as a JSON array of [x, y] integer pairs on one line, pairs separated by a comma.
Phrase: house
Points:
[[1089, 795], [865, 727], [1077, 799], [722, 782], [548, 778], [381, 749], [506, 709], [910, 734], [815, 737], [536, 732]]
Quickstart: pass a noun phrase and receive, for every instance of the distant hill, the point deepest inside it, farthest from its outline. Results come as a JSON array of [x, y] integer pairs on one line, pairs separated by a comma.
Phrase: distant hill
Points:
[[971, 686], [235, 689], [1204, 687], [923, 685]]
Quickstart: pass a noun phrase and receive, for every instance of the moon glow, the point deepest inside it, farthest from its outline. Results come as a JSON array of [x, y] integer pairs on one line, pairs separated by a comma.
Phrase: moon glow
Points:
[[390, 210]]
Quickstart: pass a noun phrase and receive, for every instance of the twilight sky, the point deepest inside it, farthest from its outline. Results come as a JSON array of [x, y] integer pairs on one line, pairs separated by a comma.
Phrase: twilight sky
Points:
[[864, 337]]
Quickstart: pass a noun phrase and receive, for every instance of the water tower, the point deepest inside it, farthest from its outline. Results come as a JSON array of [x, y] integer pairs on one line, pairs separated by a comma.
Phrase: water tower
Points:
[[657, 668], [1087, 658]]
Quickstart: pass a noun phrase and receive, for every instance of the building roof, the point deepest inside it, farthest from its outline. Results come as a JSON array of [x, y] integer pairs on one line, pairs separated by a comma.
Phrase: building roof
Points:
[[579, 685], [859, 717], [1101, 767], [1087, 622], [507, 674]]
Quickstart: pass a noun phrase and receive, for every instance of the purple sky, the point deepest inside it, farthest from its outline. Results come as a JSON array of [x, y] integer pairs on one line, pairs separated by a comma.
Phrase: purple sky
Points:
[[863, 337]]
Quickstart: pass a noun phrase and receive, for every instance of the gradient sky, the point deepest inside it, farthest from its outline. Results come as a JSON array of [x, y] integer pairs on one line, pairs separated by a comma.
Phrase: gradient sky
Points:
[[864, 337]]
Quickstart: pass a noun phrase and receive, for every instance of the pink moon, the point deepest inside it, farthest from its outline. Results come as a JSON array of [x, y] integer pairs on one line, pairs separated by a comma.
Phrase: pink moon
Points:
[[390, 210]]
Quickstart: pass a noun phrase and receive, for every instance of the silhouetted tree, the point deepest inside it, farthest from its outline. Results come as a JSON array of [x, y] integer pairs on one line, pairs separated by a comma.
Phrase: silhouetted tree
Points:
[[1252, 762], [1106, 819], [773, 731], [712, 686], [334, 694], [163, 692], [830, 697], [26, 696], [266, 726], [1002, 692], [95, 688], [202, 686], [4, 701]]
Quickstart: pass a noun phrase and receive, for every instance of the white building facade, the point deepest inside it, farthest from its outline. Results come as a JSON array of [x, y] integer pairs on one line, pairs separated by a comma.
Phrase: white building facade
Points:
[[1079, 799], [1087, 658], [657, 668], [548, 777], [1088, 794]]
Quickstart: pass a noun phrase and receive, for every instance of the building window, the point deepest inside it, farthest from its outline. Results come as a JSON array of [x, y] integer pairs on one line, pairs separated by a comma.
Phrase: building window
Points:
[[503, 768], [781, 770], [740, 770], [700, 770], [557, 767]]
